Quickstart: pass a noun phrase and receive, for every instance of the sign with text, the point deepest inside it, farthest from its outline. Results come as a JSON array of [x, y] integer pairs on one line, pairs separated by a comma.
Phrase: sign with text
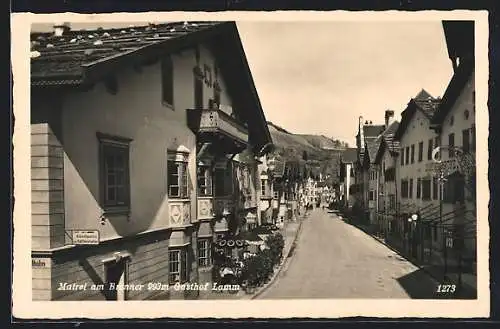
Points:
[[85, 237]]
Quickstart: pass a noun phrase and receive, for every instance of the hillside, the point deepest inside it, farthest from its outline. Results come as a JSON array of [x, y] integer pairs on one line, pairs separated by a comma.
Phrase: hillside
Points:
[[317, 152]]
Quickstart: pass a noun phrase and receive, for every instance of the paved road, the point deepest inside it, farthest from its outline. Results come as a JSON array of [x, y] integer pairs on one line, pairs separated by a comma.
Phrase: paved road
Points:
[[334, 259]]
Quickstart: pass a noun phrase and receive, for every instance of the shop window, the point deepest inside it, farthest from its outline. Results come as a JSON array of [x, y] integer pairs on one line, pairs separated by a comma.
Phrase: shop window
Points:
[[204, 252], [178, 265], [204, 181], [114, 173]]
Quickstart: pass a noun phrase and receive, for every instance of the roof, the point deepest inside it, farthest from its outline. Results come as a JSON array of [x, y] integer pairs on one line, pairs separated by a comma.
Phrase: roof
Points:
[[373, 130], [85, 57], [372, 145], [68, 59], [349, 155], [424, 103], [456, 85], [459, 37], [387, 141]]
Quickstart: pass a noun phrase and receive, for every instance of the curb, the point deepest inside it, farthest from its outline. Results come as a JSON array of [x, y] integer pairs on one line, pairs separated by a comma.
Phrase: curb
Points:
[[281, 265]]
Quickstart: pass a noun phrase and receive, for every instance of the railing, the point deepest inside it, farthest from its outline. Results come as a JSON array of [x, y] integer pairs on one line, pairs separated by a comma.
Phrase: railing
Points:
[[206, 120]]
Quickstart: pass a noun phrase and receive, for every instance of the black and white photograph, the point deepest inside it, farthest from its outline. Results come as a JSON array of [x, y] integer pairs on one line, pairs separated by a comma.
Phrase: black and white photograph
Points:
[[252, 162]]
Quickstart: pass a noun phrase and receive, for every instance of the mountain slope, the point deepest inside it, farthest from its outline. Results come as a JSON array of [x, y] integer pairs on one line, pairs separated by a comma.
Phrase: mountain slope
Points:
[[317, 152]]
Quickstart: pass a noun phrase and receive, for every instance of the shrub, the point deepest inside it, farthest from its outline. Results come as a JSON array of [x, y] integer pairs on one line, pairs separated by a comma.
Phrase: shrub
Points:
[[275, 243]]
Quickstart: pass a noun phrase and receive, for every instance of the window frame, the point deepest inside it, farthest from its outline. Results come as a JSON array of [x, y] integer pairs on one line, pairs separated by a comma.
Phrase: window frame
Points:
[[430, 148], [451, 144], [412, 156], [420, 151], [426, 187], [182, 263], [114, 145], [182, 179], [167, 81], [205, 252], [204, 174]]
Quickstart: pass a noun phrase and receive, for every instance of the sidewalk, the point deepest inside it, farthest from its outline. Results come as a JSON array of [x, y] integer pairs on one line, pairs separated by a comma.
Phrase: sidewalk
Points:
[[290, 234], [434, 268]]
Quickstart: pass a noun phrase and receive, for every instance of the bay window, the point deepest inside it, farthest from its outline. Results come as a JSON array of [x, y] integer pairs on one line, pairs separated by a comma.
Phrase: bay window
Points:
[[177, 179], [204, 176]]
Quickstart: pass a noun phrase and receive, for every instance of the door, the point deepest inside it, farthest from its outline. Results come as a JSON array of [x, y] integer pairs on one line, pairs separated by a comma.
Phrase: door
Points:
[[115, 280]]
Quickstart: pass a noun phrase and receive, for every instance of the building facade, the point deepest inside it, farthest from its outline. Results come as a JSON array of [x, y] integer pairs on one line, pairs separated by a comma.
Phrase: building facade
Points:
[[125, 181]]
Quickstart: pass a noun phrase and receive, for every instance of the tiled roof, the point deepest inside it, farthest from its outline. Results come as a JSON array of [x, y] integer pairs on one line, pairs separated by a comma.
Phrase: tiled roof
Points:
[[373, 130], [66, 57], [426, 103], [349, 155], [388, 135]]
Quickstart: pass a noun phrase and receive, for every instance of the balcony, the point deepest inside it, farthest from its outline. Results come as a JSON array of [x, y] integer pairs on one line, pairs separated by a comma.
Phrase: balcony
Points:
[[217, 127]]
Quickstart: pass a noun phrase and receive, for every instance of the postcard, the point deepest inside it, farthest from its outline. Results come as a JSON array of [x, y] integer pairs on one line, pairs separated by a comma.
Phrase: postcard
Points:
[[250, 165]]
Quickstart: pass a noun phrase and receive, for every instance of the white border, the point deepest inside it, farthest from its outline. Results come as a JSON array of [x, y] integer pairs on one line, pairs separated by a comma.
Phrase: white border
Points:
[[24, 307]]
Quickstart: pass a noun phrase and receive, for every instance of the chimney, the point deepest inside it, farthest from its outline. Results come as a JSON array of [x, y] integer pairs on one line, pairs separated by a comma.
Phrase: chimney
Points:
[[61, 28], [389, 118], [361, 142]]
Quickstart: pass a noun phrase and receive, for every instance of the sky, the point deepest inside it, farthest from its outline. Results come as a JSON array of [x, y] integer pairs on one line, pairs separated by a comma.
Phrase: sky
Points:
[[318, 77]]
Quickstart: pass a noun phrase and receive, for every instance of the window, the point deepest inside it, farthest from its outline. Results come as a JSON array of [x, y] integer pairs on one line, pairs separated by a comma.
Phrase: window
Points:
[[390, 174], [263, 186], [453, 189], [352, 172], [437, 142], [204, 252], [275, 195], [177, 265], [420, 151], [114, 173], [410, 191], [224, 181], [451, 144], [429, 150], [407, 159], [392, 201], [372, 196], [402, 155], [419, 182], [177, 179], [204, 177], [435, 188], [198, 91], [413, 153], [466, 139], [404, 189], [167, 81], [426, 189]]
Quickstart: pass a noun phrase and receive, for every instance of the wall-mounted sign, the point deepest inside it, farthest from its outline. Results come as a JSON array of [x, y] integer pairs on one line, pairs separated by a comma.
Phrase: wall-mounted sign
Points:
[[40, 262], [85, 236]]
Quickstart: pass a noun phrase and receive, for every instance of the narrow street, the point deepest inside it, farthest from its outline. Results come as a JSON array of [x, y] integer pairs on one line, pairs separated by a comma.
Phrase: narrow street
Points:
[[334, 259]]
